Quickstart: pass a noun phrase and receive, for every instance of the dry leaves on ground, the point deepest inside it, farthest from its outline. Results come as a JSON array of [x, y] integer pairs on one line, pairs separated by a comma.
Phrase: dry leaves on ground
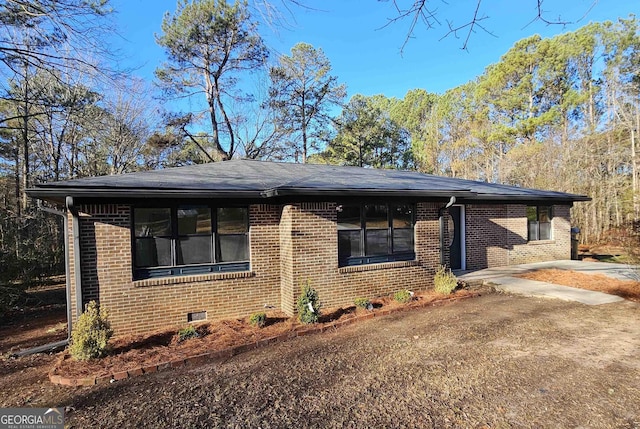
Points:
[[627, 289]]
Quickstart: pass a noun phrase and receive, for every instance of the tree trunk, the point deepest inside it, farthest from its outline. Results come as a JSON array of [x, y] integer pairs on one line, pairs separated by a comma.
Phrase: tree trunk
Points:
[[303, 124], [634, 172], [25, 141], [212, 94]]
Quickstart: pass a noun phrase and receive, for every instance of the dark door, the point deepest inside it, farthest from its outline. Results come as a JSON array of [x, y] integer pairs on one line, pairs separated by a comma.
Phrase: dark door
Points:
[[455, 250]]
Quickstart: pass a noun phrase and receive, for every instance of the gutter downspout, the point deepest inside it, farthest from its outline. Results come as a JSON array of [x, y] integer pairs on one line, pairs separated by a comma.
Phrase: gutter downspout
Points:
[[441, 211], [67, 271], [77, 270]]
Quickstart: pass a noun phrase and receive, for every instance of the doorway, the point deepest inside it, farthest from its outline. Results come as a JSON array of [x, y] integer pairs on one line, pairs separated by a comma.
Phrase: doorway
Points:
[[457, 254]]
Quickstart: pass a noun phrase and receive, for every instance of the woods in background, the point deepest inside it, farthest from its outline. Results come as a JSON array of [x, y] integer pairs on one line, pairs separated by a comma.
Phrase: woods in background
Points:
[[560, 113]]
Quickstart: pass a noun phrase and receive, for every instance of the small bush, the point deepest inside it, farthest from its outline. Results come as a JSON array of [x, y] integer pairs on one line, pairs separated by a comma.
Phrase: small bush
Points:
[[258, 319], [402, 296], [308, 304], [444, 281], [91, 334], [362, 303], [187, 333]]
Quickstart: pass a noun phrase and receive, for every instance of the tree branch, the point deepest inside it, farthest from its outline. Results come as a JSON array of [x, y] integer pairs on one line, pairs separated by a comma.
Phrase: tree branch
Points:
[[540, 16], [475, 22], [196, 142], [420, 11]]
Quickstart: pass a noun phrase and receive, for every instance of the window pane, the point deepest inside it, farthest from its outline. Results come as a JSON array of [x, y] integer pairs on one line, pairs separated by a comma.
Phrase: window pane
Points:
[[232, 220], [532, 213], [194, 220], [377, 242], [349, 244], [403, 240], [545, 230], [153, 252], [533, 231], [234, 248], [402, 216], [349, 217], [376, 216], [194, 250], [152, 222], [544, 214]]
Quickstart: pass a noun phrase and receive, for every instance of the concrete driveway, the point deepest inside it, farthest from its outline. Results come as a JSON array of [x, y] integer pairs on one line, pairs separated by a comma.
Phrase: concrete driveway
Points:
[[504, 279]]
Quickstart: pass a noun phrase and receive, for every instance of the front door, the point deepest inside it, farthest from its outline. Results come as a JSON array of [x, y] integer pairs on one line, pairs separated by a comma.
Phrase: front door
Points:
[[456, 253]]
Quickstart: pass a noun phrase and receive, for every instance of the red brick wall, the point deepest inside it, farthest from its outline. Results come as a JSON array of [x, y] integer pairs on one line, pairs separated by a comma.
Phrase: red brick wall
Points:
[[287, 286], [496, 235], [146, 305], [310, 233], [486, 236], [558, 248], [289, 245], [70, 250]]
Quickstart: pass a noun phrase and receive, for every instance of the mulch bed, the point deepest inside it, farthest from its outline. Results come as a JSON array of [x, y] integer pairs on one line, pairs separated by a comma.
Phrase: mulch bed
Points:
[[627, 289], [135, 355]]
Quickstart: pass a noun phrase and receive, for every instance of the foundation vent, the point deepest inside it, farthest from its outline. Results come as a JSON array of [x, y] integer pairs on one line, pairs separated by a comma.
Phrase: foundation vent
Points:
[[197, 316]]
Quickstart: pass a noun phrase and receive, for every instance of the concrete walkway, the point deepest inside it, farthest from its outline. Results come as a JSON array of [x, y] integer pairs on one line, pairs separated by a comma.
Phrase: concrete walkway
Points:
[[503, 278]]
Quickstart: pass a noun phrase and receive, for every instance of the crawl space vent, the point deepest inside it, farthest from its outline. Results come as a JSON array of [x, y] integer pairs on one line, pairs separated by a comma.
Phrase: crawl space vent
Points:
[[197, 316]]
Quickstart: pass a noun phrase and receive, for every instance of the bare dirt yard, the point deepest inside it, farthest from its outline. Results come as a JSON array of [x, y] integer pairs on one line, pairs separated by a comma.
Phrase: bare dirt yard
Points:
[[496, 361]]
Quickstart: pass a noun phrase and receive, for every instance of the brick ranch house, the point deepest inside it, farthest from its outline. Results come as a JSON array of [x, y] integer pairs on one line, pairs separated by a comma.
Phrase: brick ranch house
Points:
[[222, 240]]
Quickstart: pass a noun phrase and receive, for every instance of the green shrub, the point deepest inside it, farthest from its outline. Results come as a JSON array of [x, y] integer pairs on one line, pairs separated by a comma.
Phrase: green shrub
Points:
[[402, 296], [444, 281], [258, 319], [308, 304], [187, 333], [91, 334], [362, 303]]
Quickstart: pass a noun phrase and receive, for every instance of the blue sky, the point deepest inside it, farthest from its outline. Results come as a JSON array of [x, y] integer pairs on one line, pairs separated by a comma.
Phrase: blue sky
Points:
[[367, 57]]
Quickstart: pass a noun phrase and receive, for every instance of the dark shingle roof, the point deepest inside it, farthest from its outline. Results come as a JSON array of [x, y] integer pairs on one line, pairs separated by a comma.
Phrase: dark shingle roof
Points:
[[260, 179]]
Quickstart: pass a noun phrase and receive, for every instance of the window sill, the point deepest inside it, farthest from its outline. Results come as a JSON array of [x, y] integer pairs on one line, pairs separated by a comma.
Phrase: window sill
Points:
[[541, 242], [194, 278], [378, 266]]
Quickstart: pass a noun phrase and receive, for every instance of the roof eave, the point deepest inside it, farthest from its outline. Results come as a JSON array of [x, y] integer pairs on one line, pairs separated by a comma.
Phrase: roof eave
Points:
[[287, 192], [568, 198], [463, 195], [58, 193]]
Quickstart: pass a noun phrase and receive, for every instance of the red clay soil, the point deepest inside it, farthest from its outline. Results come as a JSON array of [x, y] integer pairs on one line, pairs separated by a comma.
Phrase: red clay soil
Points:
[[33, 327], [131, 352], [24, 379], [627, 289]]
